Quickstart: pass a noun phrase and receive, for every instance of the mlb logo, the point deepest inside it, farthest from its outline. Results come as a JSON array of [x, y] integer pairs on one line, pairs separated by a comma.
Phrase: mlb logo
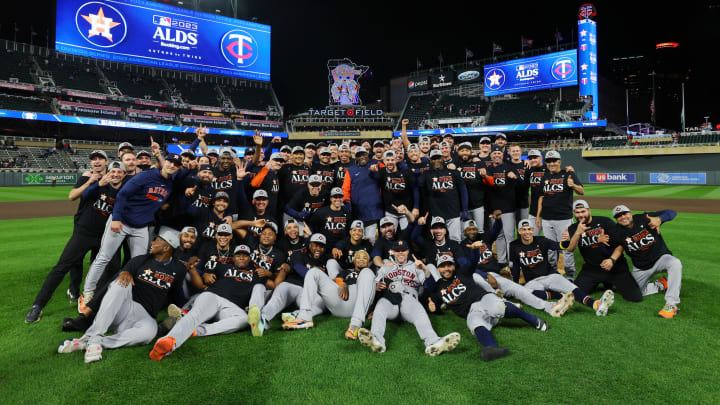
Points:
[[161, 20]]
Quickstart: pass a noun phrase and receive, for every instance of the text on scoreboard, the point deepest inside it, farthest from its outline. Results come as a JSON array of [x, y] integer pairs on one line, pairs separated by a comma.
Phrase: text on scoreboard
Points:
[[158, 35], [551, 70]]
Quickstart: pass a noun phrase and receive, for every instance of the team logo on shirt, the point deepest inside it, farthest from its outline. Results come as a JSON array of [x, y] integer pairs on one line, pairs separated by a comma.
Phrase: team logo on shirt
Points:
[[642, 240], [223, 183], [485, 254], [104, 204], [452, 293], [239, 275], [407, 277], [443, 183], [395, 183], [157, 279], [590, 237], [468, 172], [536, 178], [299, 176], [499, 178], [202, 201], [335, 224], [261, 260], [553, 186], [531, 258]]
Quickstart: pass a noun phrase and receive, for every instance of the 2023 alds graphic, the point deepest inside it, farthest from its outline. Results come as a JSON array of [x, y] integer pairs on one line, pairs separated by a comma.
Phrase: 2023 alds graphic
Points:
[[557, 69], [163, 36]]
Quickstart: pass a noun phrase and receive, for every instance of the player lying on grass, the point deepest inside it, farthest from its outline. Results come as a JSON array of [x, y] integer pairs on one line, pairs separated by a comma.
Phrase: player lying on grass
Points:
[[399, 284], [133, 300], [229, 290], [529, 253], [481, 309], [639, 236], [349, 295]]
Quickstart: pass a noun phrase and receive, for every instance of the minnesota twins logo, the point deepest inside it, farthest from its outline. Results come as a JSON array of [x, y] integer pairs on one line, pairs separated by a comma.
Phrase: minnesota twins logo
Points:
[[563, 68], [239, 48], [495, 79], [100, 24]]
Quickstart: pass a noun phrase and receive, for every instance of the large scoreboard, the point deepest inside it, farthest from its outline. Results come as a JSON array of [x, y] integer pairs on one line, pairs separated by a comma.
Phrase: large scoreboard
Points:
[[159, 35], [558, 69]]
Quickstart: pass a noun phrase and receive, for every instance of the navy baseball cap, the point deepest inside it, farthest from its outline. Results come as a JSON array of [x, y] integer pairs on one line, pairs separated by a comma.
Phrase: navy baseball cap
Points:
[[496, 149], [174, 157], [188, 152], [204, 168], [400, 246]]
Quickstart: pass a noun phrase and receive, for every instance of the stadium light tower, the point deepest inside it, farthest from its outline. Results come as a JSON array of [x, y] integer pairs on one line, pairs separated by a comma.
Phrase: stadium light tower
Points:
[[587, 57]]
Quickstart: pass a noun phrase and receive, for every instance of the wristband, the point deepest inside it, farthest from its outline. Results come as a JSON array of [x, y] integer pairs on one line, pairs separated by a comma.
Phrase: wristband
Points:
[[613, 260]]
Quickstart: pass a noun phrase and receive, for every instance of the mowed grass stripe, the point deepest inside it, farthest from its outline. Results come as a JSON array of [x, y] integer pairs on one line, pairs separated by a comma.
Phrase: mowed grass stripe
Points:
[[580, 357], [31, 193], [650, 191]]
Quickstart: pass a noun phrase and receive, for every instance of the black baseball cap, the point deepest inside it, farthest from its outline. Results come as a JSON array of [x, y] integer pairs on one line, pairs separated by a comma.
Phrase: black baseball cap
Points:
[[400, 246], [205, 167], [174, 157], [496, 149]]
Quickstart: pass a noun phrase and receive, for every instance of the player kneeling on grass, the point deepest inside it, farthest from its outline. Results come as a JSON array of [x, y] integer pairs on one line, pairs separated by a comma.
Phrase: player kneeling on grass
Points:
[[529, 253], [481, 309], [229, 290], [399, 284], [349, 295], [639, 235], [133, 301]]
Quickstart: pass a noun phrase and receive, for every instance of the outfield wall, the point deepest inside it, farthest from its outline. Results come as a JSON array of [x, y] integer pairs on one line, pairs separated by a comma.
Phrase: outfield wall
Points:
[[38, 178], [670, 169]]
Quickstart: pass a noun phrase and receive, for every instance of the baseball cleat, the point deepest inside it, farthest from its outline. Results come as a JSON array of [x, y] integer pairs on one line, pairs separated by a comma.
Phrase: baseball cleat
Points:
[[162, 348], [289, 316], [541, 325], [298, 324], [563, 304], [662, 283], [603, 304], [352, 332], [445, 344], [93, 352], [79, 324], [73, 298], [83, 300], [176, 312], [34, 314], [257, 324], [72, 345], [668, 311], [491, 353], [367, 339]]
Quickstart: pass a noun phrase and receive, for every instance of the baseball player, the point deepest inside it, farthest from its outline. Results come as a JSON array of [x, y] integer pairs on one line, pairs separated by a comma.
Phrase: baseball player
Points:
[[349, 295], [399, 285], [267, 179], [325, 169], [591, 235], [555, 211], [207, 221], [470, 171], [332, 220], [361, 192], [135, 208], [481, 309], [307, 200], [382, 248], [445, 195], [529, 253], [292, 240], [522, 202], [96, 205], [533, 181], [229, 291], [639, 236], [440, 245], [343, 254], [501, 178], [133, 300], [345, 160], [293, 177], [398, 188]]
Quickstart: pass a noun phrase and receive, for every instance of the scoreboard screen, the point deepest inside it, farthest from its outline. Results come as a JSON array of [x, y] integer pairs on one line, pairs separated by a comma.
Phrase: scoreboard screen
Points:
[[547, 71]]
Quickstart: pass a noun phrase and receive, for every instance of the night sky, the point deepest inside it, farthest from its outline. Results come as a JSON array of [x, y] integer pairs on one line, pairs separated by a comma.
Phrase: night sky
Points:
[[389, 37]]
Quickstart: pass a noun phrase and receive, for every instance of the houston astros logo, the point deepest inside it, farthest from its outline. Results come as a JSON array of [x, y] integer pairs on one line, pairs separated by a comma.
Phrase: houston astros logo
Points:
[[563, 68], [100, 24], [239, 48], [495, 79]]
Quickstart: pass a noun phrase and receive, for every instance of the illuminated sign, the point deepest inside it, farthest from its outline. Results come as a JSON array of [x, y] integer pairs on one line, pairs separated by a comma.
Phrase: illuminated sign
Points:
[[587, 58], [469, 131], [587, 11], [551, 70], [418, 83], [343, 77], [148, 33], [667, 45], [350, 112]]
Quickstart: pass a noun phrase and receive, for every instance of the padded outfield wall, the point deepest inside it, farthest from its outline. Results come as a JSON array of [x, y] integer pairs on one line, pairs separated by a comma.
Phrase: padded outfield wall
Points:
[[670, 169]]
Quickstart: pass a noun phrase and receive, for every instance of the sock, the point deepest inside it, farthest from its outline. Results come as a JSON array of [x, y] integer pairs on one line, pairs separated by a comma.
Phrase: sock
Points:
[[511, 311], [485, 337], [542, 294], [584, 298]]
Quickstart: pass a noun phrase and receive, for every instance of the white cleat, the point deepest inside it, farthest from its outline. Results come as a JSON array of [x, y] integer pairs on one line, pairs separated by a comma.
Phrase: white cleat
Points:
[[604, 303], [289, 316], [72, 345], [367, 339], [563, 304], [445, 344], [93, 353]]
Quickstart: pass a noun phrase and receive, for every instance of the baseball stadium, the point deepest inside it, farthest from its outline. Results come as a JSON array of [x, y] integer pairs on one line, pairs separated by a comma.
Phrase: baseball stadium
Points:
[[529, 224]]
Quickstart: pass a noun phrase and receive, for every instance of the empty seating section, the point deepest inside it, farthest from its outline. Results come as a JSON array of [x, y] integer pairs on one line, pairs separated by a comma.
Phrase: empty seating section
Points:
[[519, 111], [609, 142], [137, 85], [712, 138], [568, 105], [251, 98], [24, 103], [15, 65], [72, 73], [457, 106], [418, 109], [196, 93]]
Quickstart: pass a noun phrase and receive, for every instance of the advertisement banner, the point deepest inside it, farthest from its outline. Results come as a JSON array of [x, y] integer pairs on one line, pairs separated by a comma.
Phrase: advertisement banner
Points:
[[468, 76], [588, 59], [154, 34], [418, 83], [47, 179], [558, 69], [678, 178], [442, 80], [612, 178]]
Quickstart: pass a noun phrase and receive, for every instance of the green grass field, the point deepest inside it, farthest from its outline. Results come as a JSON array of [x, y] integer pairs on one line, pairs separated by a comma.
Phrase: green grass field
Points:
[[38, 193], [631, 356]]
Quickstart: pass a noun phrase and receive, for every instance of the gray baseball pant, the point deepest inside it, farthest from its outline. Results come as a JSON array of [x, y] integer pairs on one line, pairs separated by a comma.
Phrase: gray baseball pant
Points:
[[360, 296], [521, 213], [410, 310], [554, 282], [401, 220], [553, 230], [486, 313], [138, 240], [536, 229], [131, 322], [674, 270], [333, 268], [478, 215], [229, 318], [370, 233], [284, 294], [454, 227], [511, 289], [502, 244]]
